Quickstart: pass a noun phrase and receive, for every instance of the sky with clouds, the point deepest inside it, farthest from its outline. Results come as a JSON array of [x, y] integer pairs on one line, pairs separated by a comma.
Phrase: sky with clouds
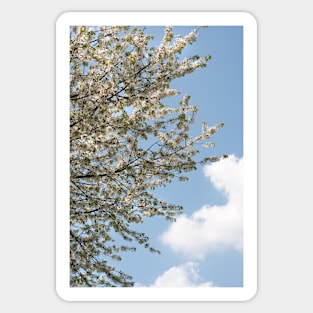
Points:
[[212, 227], [204, 247]]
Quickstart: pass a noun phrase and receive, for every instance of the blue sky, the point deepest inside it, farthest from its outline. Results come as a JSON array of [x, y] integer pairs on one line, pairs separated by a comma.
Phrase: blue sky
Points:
[[204, 246]]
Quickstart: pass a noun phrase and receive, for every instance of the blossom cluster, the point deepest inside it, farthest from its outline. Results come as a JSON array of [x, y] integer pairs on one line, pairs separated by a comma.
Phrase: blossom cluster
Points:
[[125, 141]]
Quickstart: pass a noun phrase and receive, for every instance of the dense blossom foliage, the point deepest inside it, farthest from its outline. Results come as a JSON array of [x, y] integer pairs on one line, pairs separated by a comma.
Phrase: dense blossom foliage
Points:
[[125, 141]]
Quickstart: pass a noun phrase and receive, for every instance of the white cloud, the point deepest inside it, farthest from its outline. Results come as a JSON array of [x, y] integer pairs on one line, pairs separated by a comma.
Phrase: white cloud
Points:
[[212, 227], [185, 275]]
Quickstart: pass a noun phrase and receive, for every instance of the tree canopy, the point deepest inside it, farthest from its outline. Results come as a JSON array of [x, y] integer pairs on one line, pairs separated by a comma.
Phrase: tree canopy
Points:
[[125, 141]]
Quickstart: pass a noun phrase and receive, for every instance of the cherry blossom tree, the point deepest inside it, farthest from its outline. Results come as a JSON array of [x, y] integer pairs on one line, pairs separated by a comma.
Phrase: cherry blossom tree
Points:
[[125, 141]]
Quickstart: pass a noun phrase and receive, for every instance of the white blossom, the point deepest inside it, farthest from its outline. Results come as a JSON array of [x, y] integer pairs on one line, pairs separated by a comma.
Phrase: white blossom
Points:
[[125, 141]]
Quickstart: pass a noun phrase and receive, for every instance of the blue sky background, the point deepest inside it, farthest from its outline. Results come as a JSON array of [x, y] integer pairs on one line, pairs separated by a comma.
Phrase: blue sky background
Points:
[[218, 92]]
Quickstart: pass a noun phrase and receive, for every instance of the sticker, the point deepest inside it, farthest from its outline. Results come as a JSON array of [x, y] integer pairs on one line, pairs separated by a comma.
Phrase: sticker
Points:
[[156, 156]]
